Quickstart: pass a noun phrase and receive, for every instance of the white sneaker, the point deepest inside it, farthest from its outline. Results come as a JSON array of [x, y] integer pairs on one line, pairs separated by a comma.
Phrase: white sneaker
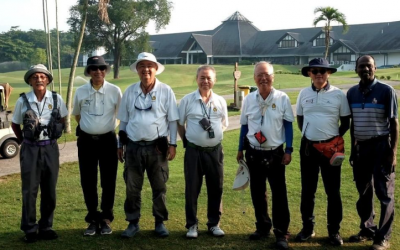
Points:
[[216, 231], [192, 232]]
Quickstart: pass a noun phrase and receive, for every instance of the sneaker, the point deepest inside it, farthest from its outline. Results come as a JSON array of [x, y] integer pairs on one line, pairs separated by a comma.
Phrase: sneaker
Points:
[[361, 237], [192, 232], [216, 231], [161, 230], [380, 245], [91, 229], [47, 234], [282, 243], [130, 231], [335, 239], [105, 227], [304, 235], [258, 234], [30, 237]]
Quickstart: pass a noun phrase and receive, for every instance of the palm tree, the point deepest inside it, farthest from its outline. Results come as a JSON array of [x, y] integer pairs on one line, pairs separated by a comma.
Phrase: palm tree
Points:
[[329, 14]]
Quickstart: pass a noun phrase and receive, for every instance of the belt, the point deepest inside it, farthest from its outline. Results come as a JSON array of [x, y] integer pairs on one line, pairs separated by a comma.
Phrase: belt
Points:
[[204, 149], [374, 139], [40, 143], [95, 137], [321, 141], [143, 143], [263, 148]]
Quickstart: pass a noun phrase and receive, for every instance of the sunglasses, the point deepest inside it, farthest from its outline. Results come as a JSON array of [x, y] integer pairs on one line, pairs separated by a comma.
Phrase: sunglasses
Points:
[[316, 71], [142, 109], [95, 68]]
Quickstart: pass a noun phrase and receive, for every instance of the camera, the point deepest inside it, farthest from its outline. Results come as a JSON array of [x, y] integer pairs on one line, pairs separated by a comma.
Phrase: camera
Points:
[[211, 133], [205, 124]]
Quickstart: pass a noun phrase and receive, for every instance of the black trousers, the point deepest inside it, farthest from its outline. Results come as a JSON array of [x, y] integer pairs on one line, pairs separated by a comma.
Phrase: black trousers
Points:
[[263, 166], [39, 168], [210, 164], [98, 151], [311, 162], [373, 171]]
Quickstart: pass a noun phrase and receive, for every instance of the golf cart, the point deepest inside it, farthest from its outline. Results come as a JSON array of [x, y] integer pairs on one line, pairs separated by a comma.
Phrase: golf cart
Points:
[[9, 147]]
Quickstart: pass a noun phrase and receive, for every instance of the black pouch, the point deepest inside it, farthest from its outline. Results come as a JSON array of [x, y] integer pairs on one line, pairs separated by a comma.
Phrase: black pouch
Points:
[[162, 145]]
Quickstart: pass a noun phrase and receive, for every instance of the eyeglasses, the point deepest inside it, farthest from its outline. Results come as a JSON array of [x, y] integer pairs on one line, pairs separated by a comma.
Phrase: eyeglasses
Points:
[[143, 109], [316, 71], [36, 78], [266, 75], [95, 68]]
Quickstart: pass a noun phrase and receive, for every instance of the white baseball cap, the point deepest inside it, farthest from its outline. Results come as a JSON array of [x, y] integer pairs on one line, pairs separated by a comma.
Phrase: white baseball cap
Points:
[[145, 56]]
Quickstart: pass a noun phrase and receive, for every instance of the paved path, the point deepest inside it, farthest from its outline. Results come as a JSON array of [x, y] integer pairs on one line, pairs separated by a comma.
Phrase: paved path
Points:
[[69, 152]]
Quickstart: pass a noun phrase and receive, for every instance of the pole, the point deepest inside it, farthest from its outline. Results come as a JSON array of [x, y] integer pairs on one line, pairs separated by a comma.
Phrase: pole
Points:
[[235, 86]]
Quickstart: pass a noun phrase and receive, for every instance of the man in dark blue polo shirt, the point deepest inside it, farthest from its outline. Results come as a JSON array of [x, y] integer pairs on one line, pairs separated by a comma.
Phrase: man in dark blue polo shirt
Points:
[[374, 136]]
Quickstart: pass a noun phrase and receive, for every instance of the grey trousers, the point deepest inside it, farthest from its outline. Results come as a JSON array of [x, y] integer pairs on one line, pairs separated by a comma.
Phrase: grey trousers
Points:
[[139, 159], [39, 168]]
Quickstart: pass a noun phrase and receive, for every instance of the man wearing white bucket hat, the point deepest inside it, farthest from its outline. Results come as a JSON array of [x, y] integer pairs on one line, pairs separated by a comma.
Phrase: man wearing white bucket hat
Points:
[[148, 115], [266, 121]]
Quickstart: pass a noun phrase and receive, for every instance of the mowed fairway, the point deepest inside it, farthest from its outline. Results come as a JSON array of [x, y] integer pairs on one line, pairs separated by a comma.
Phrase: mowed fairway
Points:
[[69, 215]]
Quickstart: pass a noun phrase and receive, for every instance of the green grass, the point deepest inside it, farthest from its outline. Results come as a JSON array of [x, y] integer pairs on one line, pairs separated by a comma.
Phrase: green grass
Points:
[[70, 211]]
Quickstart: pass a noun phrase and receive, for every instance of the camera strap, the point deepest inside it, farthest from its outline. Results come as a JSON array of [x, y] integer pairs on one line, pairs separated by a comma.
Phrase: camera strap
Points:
[[205, 110]]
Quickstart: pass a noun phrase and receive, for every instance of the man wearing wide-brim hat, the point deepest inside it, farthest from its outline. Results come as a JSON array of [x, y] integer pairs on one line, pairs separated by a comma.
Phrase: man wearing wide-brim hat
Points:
[[319, 109], [95, 108], [148, 115], [39, 155]]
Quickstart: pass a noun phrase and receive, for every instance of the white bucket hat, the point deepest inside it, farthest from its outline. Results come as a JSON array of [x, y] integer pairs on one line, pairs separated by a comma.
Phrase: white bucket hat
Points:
[[145, 56], [242, 178]]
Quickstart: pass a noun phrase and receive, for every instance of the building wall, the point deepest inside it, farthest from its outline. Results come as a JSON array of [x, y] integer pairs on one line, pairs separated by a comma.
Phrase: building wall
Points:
[[394, 59]]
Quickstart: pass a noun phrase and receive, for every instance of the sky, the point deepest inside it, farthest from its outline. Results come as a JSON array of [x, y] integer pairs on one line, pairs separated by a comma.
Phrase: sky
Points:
[[191, 15]]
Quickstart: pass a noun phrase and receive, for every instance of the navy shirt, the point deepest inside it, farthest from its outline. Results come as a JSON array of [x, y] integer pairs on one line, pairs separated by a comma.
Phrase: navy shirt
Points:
[[371, 109]]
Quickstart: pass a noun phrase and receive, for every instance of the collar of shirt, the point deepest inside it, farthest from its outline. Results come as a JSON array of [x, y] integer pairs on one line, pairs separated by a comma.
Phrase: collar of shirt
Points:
[[326, 87], [101, 89], [138, 89], [369, 87], [32, 97], [198, 96]]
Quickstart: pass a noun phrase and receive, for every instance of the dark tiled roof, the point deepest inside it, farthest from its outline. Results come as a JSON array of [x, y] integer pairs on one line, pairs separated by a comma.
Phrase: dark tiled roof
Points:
[[237, 36]]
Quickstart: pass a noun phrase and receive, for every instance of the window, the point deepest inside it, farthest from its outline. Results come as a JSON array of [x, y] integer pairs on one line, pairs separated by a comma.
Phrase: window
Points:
[[320, 40], [288, 42]]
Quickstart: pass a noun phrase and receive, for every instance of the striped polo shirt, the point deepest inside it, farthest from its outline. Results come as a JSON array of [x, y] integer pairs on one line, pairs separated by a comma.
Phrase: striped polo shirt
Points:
[[371, 109]]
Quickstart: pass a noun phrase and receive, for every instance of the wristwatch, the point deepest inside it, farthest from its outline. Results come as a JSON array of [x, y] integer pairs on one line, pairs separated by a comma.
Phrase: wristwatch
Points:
[[173, 145]]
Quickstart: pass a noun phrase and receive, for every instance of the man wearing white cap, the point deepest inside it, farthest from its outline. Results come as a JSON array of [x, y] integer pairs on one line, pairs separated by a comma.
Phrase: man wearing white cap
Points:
[[148, 115], [38, 111], [95, 108]]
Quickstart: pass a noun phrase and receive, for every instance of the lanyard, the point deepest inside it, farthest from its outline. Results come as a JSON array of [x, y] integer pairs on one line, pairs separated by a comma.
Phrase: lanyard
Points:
[[263, 108], [41, 112], [205, 110]]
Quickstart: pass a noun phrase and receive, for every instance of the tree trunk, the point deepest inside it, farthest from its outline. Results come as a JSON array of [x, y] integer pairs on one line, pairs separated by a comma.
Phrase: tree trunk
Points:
[[73, 68], [49, 44], [58, 52], [327, 39], [117, 52]]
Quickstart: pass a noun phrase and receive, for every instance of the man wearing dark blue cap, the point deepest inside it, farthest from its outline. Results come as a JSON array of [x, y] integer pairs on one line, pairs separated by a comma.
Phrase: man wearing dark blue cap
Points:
[[319, 109]]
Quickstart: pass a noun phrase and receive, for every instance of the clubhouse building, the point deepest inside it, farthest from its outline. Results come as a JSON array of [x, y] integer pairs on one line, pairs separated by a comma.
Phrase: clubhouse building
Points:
[[237, 39]]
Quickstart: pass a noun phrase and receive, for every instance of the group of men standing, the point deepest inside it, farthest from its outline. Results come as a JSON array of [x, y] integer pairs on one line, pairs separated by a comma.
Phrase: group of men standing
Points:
[[149, 120]]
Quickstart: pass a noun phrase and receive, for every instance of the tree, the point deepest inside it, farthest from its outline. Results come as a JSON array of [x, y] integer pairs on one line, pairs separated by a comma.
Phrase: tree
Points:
[[329, 15], [128, 20]]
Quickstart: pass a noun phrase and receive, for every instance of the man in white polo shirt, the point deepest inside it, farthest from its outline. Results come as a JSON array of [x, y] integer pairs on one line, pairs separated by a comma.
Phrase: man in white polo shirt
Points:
[[205, 115], [95, 108], [148, 115], [319, 109], [266, 121]]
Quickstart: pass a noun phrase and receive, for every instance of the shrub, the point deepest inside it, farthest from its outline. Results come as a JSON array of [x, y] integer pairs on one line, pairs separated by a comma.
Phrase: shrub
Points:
[[383, 78], [388, 77]]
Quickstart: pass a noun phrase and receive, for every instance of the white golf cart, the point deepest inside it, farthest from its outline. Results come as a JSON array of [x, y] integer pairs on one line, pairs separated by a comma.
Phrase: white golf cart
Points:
[[9, 147]]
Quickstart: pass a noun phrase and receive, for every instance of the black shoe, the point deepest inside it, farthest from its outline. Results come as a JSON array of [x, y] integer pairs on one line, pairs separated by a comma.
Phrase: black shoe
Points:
[[282, 243], [361, 237], [47, 234], [258, 234], [304, 235], [335, 239], [30, 237], [105, 227], [91, 229], [380, 245], [161, 230]]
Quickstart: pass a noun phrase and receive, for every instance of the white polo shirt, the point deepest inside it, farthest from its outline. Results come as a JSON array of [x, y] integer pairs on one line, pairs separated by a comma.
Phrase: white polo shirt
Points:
[[42, 109], [148, 116], [276, 108], [191, 112], [321, 111], [98, 108]]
